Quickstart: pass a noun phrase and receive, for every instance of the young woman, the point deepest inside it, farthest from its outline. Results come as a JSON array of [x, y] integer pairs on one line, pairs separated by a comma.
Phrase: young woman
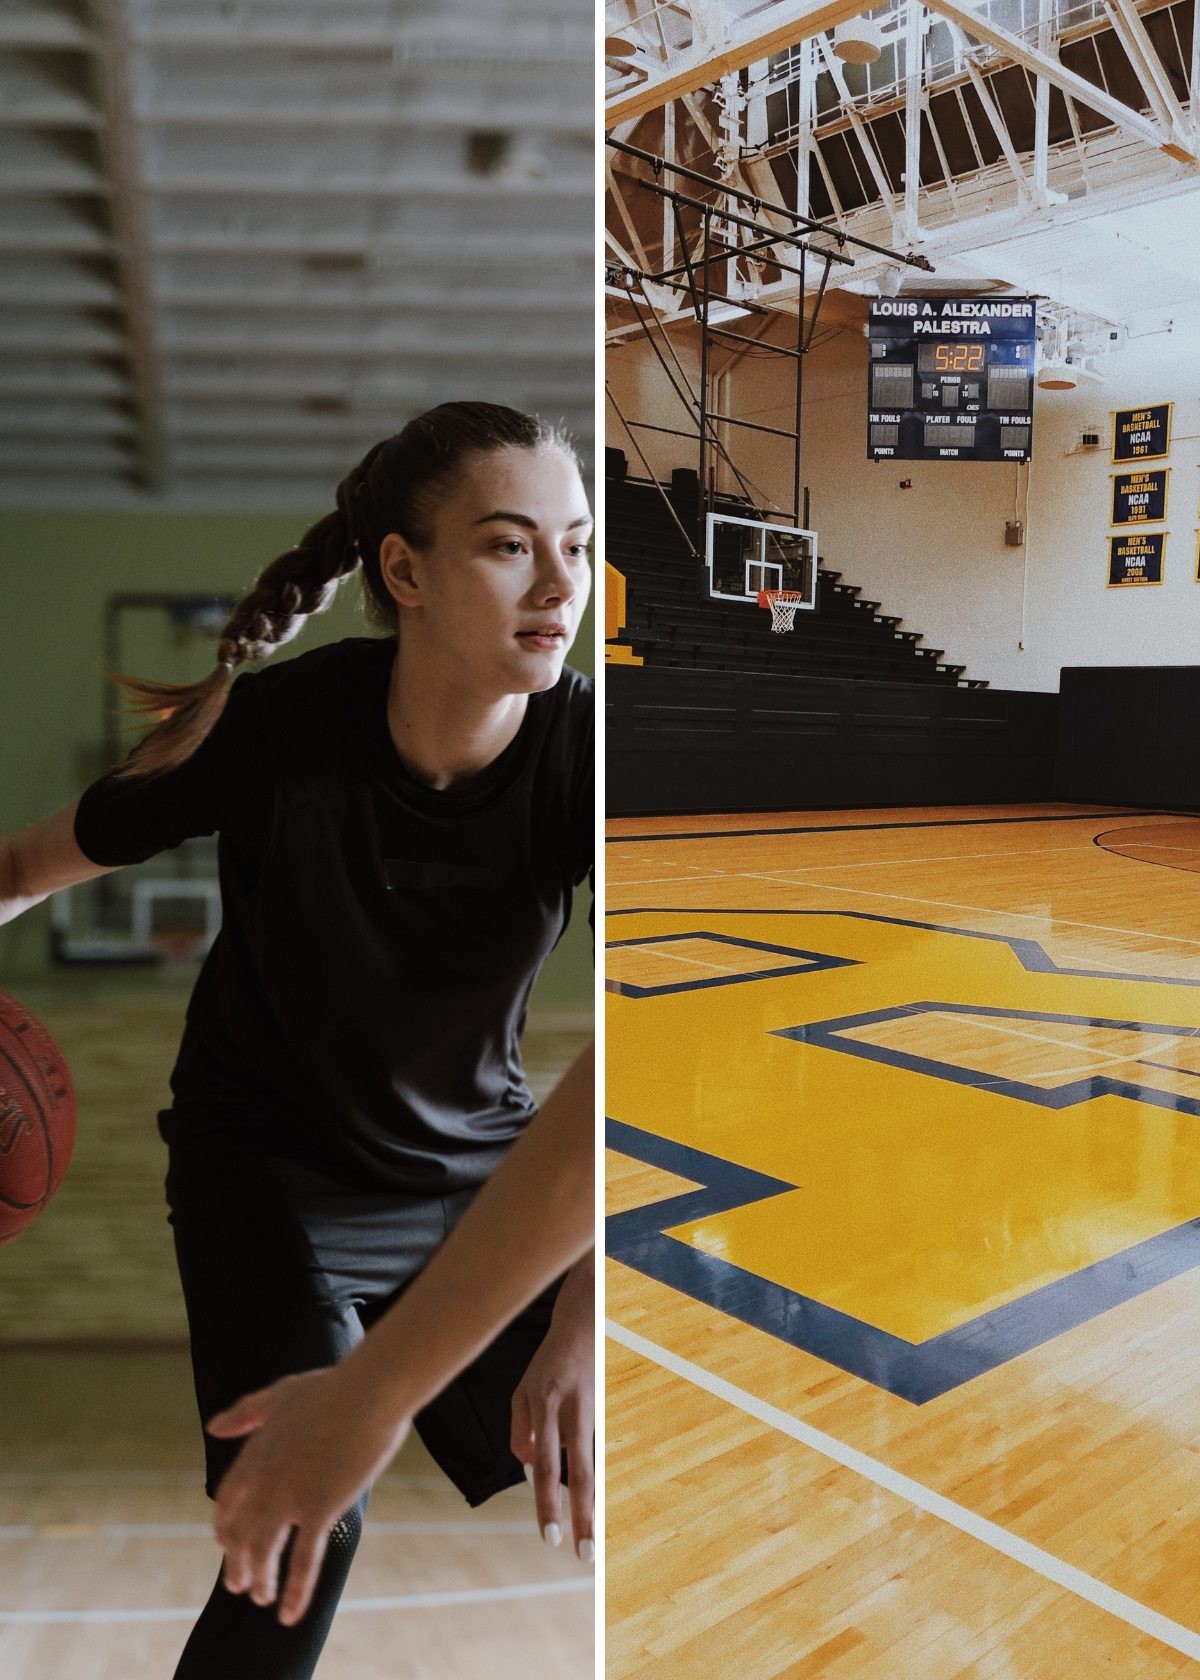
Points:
[[403, 820]]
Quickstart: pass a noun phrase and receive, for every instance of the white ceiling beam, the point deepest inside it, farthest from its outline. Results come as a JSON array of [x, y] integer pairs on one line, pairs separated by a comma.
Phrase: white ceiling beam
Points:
[[44, 30], [378, 387], [1041, 64], [570, 117], [778, 27], [415, 344], [913, 68], [772, 30], [345, 306], [867, 145], [79, 455], [1041, 109], [382, 252], [44, 180], [1139, 49], [58, 334], [57, 293], [55, 420], [48, 112], [513, 43], [999, 128], [484, 190], [56, 381]]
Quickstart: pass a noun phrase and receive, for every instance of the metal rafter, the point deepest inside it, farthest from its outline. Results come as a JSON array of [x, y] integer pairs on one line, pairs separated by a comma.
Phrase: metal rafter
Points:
[[913, 99], [882, 184], [1140, 51], [773, 30], [1173, 137], [999, 127], [1096, 99]]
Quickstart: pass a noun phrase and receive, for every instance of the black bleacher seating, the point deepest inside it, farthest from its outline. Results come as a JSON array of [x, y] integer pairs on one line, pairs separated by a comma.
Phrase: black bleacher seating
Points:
[[671, 620]]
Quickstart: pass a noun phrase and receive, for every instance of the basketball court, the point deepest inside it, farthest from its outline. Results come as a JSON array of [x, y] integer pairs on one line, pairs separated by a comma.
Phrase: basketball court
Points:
[[902, 1164], [903, 914]]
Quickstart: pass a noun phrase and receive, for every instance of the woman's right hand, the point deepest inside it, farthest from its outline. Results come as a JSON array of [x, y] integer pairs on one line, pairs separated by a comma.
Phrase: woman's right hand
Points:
[[317, 1441]]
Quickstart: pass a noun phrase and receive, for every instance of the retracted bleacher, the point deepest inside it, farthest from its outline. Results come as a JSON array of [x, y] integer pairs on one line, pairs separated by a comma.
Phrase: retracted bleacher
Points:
[[848, 710]]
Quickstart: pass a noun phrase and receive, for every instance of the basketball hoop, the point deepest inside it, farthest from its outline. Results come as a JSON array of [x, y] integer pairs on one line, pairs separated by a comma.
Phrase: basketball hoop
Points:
[[783, 604]]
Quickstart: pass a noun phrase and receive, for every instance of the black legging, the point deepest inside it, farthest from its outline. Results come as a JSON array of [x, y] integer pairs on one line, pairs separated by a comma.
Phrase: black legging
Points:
[[236, 1640], [282, 1268]]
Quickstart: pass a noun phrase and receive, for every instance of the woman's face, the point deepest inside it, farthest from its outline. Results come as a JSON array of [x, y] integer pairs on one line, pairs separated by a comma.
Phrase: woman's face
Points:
[[501, 588]]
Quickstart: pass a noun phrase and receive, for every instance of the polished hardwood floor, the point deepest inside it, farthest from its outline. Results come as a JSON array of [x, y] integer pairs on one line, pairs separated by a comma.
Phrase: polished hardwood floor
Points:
[[905, 1142]]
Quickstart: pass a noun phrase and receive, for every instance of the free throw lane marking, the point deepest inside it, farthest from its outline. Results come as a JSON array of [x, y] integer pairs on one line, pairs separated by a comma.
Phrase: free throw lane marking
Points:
[[991, 1534], [411, 1601]]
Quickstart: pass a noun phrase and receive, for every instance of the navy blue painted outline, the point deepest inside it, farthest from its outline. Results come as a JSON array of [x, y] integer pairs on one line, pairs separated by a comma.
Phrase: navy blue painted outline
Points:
[[916, 1372], [1032, 958], [815, 962], [827, 1035], [855, 828], [1098, 839]]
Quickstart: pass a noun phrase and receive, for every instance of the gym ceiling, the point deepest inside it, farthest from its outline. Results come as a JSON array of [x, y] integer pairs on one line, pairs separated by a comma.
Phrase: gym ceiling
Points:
[[242, 240]]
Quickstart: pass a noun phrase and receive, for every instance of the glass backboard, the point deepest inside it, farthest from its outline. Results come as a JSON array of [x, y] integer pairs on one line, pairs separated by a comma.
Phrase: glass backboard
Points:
[[745, 556]]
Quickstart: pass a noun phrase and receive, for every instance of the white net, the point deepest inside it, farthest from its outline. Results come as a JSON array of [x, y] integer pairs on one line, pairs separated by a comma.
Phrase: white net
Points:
[[783, 604]]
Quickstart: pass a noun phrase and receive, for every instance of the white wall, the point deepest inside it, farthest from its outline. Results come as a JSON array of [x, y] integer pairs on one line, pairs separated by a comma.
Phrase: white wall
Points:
[[935, 554]]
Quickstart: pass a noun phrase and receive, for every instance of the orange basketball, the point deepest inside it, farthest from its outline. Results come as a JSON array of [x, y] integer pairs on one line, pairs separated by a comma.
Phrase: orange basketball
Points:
[[37, 1117]]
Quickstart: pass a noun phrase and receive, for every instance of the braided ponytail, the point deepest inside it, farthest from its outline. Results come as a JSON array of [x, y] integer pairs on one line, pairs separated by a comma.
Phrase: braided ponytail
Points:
[[390, 490]]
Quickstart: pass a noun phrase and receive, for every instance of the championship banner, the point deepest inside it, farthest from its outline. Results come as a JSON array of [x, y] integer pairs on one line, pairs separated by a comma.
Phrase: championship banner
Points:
[[1142, 434], [1136, 559], [1139, 498]]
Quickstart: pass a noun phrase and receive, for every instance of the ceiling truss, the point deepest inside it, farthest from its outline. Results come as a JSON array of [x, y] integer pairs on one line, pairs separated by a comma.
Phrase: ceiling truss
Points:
[[1000, 108], [241, 240]]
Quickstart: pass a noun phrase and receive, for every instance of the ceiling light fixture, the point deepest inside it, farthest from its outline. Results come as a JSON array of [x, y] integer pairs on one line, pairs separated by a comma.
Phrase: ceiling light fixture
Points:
[[1057, 376], [858, 42]]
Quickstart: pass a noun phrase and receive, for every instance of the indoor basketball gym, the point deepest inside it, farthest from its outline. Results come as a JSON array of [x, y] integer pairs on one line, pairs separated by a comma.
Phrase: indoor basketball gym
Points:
[[240, 244], [903, 853]]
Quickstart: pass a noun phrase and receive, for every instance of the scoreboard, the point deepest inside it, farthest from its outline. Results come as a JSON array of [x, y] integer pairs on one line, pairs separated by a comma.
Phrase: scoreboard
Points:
[[950, 379]]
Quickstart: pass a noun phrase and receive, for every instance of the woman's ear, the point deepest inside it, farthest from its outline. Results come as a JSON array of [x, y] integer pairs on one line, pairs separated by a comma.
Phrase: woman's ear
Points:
[[396, 564]]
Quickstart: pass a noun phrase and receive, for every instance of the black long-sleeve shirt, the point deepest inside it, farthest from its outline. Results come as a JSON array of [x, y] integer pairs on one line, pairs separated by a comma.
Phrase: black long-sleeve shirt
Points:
[[363, 1003]]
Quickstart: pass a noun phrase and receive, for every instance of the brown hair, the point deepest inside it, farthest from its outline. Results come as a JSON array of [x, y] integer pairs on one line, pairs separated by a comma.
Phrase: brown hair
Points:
[[393, 488]]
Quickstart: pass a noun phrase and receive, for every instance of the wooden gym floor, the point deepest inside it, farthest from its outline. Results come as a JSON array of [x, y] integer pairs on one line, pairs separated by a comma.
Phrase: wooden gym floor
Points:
[[904, 1176], [105, 1537]]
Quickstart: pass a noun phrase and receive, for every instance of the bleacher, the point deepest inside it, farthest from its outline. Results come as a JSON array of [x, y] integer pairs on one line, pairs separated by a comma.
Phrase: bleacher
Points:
[[672, 621]]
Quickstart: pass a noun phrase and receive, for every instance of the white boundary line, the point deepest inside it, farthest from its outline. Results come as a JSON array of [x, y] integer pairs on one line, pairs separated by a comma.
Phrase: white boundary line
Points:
[[412, 1601], [1021, 1551]]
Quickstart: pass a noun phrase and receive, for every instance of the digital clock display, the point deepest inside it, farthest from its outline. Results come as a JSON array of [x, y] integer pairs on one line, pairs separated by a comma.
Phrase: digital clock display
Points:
[[949, 358]]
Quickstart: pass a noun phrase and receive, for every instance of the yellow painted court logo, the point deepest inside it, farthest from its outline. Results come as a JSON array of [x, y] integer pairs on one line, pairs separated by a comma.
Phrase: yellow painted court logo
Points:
[[947, 1147]]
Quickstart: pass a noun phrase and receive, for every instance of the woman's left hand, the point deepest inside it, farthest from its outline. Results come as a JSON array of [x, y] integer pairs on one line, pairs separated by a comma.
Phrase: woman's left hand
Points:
[[314, 1449], [554, 1408]]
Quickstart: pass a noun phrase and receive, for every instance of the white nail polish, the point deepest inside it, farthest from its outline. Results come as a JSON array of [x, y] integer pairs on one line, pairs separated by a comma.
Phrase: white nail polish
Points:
[[552, 1534], [587, 1551], [528, 1472]]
